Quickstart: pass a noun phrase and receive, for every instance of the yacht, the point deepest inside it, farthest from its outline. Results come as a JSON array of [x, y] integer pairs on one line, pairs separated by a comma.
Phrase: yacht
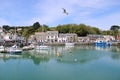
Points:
[[14, 50]]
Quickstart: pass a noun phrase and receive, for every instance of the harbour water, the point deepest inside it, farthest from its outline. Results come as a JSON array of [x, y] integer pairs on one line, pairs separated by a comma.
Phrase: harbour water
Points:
[[62, 63]]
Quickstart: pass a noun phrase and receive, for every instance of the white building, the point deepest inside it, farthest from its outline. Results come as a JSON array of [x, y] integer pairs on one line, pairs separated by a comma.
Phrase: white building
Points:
[[52, 36], [108, 37]]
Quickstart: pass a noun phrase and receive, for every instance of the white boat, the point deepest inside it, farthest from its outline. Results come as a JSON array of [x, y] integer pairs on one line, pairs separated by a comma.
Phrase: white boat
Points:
[[29, 47], [41, 51], [69, 44], [2, 49], [42, 47], [14, 49]]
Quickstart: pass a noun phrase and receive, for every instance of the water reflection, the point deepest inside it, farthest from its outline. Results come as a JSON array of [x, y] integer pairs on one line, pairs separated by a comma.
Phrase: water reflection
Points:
[[83, 54], [6, 57], [77, 54], [116, 52], [36, 57]]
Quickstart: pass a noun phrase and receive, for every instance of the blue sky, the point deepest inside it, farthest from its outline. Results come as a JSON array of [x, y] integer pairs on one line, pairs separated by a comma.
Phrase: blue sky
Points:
[[98, 13]]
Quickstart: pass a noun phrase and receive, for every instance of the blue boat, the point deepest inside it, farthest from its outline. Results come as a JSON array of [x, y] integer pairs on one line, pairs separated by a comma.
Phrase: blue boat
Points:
[[102, 43]]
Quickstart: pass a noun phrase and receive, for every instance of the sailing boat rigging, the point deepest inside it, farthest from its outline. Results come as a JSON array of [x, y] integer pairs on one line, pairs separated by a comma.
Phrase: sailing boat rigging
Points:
[[15, 49]]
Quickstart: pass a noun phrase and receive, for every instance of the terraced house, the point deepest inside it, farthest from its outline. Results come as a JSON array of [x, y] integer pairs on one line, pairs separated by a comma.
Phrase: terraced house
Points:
[[53, 37], [69, 37]]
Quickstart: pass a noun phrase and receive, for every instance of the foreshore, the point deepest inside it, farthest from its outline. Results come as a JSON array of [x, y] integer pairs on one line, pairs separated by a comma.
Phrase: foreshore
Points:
[[79, 43], [63, 44]]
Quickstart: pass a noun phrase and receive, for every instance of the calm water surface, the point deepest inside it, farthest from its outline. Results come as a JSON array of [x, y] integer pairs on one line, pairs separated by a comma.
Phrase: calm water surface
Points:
[[63, 63]]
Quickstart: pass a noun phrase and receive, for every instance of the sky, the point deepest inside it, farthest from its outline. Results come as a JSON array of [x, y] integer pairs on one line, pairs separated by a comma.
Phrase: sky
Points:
[[97, 13]]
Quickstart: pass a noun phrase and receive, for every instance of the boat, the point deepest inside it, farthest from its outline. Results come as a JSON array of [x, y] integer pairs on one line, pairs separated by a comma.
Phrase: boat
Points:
[[14, 50], [42, 47], [41, 51], [102, 43], [2, 49], [29, 47], [69, 44]]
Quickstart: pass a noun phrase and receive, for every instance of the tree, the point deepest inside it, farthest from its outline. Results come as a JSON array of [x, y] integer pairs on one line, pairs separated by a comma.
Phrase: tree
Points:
[[6, 27], [82, 30], [36, 25], [115, 27], [96, 30], [115, 30], [45, 28]]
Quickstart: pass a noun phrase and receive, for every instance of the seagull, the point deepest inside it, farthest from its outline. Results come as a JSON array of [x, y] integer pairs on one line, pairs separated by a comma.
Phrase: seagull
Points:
[[64, 11]]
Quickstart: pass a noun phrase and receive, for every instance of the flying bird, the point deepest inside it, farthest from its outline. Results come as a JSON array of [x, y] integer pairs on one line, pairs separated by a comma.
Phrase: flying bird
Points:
[[64, 11]]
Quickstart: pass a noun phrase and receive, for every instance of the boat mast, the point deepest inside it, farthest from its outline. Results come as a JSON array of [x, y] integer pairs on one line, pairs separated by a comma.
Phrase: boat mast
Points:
[[15, 36]]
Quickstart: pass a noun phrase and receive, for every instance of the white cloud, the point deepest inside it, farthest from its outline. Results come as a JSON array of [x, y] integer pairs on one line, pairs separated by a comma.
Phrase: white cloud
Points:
[[105, 22], [50, 12]]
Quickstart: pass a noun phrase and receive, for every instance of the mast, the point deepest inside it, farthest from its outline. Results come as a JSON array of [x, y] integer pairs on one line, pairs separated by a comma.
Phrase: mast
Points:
[[15, 37]]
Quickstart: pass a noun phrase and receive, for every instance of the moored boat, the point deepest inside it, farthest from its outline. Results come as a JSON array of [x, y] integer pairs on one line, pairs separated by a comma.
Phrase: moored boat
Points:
[[102, 43], [69, 44], [2, 49], [29, 47], [14, 50], [42, 47]]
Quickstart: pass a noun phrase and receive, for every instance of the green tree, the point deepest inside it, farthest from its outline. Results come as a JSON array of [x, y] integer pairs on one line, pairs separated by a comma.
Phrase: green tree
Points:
[[97, 31], [45, 28], [6, 28], [115, 27], [82, 30], [36, 25], [115, 30]]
